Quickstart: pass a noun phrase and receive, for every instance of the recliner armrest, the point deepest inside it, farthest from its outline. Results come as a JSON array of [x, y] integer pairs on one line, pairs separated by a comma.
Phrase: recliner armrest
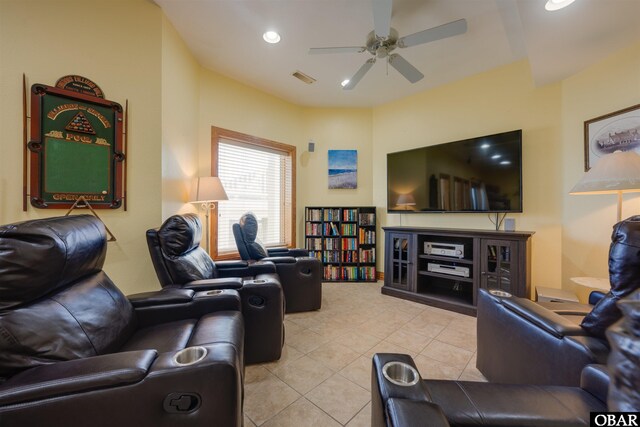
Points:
[[76, 376], [233, 263], [595, 379], [546, 320], [210, 284], [294, 252], [200, 304], [280, 259], [164, 296], [244, 268]]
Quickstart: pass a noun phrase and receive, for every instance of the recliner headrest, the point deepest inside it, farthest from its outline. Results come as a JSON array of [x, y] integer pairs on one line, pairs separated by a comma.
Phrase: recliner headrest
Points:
[[39, 256], [179, 234], [249, 226]]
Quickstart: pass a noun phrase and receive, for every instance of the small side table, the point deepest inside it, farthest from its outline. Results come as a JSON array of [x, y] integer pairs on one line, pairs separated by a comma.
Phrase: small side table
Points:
[[554, 295], [600, 283]]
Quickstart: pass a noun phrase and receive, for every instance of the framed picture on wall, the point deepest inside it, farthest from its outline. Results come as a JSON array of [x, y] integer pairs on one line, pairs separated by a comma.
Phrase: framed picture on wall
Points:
[[343, 169], [603, 135]]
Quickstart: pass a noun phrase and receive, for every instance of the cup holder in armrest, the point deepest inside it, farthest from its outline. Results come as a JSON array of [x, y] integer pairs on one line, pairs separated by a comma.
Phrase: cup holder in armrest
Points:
[[190, 355], [214, 292], [400, 373], [499, 293]]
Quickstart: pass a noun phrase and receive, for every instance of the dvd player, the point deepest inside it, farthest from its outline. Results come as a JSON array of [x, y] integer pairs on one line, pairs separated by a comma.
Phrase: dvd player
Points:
[[444, 249], [454, 270]]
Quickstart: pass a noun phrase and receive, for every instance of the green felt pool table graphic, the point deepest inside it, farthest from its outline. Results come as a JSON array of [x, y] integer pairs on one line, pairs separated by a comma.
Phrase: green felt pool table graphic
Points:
[[76, 149]]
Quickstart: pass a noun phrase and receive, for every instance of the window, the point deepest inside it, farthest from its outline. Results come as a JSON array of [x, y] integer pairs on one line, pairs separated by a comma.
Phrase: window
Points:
[[258, 176]]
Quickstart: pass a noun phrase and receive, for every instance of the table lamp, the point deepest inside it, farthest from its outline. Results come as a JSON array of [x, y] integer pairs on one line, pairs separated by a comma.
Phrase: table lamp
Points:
[[615, 173], [207, 191]]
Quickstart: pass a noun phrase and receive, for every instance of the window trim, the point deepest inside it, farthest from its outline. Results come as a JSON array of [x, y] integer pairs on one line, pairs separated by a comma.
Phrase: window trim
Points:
[[218, 133]]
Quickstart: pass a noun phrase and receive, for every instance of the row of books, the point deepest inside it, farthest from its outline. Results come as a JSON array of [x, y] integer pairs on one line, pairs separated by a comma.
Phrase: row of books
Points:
[[367, 219], [349, 273], [368, 255], [348, 229], [367, 236], [348, 215]]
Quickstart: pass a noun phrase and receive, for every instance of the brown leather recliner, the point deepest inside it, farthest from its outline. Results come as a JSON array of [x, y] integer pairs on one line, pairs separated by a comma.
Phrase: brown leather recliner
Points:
[[300, 274], [523, 342], [74, 351], [179, 261]]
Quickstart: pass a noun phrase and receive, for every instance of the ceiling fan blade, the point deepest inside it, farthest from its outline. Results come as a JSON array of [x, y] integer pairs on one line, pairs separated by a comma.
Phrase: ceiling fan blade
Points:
[[346, 49], [382, 17], [353, 81], [409, 72], [436, 33]]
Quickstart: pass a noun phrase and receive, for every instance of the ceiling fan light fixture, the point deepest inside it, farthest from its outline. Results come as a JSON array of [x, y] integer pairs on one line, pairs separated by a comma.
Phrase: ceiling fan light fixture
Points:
[[553, 5], [271, 37]]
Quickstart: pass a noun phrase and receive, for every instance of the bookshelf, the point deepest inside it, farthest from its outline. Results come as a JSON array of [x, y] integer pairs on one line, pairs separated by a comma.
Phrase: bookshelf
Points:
[[344, 239]]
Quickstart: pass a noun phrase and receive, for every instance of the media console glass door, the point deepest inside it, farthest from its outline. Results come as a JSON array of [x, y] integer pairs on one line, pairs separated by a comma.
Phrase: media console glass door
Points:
[[499, 265], [400, 248]]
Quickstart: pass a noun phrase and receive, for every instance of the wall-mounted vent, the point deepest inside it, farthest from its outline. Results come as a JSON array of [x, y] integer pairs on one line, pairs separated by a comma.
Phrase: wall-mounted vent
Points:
[[302, 76]]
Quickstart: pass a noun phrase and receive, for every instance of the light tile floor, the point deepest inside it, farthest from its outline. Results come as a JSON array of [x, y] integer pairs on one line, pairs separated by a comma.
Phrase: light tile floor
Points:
[[324, 375]]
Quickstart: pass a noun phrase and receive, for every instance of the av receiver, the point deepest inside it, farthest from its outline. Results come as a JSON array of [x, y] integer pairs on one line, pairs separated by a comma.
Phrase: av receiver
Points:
[[444, 249], [454, 270]]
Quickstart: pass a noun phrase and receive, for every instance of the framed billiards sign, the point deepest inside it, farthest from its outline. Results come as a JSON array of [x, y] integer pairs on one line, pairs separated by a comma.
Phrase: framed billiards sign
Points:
[[76, 149]]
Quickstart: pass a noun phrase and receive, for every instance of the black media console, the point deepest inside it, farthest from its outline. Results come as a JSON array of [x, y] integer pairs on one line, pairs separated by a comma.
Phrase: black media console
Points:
[[445, 267]]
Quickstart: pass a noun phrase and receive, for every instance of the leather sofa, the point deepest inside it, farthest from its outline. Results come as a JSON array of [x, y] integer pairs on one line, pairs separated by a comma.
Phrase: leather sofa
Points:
[[300, 274], [74, 351], [181, 263], [415, 402], [523, 342]]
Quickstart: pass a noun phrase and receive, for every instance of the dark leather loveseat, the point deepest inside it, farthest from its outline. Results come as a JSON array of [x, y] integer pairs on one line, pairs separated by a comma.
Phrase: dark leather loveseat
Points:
[[180, 262], [300, 274], [523, 342], [74, 351]]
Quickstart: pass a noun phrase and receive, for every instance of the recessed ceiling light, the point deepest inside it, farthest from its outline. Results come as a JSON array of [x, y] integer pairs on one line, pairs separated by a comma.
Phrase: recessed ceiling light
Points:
[[496, 156], [271, 37], [344, 82], [557, 4], [505, 162]]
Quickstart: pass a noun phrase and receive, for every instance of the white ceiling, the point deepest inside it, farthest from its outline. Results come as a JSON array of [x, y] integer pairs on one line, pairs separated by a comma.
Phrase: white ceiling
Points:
[[226, 36]]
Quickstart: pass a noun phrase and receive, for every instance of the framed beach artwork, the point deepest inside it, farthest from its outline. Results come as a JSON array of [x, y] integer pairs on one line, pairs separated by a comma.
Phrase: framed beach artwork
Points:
[[619, 130], [343, 169]]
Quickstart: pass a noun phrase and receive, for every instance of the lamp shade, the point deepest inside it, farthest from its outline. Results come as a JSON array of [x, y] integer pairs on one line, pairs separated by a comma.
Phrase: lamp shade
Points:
[[615, 172], [207, 189], [406, 200]]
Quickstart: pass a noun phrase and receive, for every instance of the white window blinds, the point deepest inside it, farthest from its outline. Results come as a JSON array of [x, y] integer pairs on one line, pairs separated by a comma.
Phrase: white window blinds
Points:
[[257, 179]]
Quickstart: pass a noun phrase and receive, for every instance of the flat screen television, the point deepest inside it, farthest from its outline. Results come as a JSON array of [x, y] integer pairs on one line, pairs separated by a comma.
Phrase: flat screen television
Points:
[[481, 174]]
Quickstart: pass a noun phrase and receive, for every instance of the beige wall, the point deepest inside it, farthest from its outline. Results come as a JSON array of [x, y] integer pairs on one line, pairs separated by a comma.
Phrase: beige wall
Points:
[[334, 129], [180, 111], [500, 100], [117, 44], [608, 86]]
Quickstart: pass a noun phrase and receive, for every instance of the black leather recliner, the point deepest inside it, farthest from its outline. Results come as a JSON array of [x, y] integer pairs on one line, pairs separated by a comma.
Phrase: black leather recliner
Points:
[[300, 274], [465, 403], [75, 351], [523, 342], [180, 262]]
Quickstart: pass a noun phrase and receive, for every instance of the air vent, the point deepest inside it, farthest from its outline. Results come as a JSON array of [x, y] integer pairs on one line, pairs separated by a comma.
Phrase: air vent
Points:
[[302, 76]]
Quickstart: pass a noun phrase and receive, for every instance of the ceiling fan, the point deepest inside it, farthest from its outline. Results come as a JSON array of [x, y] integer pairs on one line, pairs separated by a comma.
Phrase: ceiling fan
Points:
[[383, 40]]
